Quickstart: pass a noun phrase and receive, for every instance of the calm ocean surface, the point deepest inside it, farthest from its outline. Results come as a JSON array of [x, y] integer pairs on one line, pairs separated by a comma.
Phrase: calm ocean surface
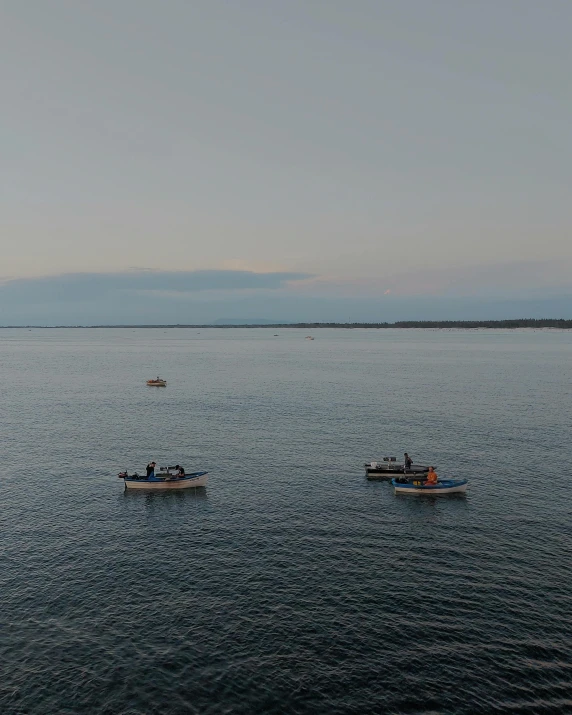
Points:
[[291, 584]]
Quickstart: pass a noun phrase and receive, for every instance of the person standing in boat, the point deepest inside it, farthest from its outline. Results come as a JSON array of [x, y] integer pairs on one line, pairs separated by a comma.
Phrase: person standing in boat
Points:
[[431, 477], [407, 462], [150, 470]]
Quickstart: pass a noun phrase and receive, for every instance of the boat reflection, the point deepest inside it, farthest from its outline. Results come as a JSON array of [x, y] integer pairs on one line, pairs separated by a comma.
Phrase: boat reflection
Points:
[[167, 496]]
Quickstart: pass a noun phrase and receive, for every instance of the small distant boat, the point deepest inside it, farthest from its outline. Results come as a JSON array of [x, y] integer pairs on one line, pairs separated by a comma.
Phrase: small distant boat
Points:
[[164, 480], [411, 485], [309, 337], [389, 467], [157, 382]]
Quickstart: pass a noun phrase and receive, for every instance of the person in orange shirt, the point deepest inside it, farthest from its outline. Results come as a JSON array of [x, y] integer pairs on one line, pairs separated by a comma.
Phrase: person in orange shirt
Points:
[[431, 477]]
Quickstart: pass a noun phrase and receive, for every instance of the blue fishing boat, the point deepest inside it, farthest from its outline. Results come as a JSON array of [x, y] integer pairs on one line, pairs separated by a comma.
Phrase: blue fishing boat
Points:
[[415, 485]]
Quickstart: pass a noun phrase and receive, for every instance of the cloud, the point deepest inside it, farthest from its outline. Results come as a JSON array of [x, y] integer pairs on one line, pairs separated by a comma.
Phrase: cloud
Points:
[[89, 287], [143, 296], [523, 279]]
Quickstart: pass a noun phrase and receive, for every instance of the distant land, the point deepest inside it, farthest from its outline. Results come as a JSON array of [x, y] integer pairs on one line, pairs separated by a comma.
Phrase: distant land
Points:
[[221, 322], [462, 324]]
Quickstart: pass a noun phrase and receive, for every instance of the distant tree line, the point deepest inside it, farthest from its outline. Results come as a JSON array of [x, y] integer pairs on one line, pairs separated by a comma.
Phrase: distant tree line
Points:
[[517, 323]]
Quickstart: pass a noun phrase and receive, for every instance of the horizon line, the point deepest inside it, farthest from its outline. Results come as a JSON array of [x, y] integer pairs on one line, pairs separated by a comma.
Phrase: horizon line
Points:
[[466, 324]]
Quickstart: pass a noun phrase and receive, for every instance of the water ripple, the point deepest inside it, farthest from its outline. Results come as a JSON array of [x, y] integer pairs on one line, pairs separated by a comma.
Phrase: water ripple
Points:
[[291, 585]]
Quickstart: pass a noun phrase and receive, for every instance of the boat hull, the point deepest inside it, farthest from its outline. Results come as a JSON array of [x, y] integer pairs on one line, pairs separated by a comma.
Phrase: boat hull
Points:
[[442, 488], [154, 383], [191, 481]]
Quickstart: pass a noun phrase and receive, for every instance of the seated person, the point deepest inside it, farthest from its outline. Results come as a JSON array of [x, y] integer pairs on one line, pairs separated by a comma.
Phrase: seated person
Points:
[[431, 477], [181, 472]]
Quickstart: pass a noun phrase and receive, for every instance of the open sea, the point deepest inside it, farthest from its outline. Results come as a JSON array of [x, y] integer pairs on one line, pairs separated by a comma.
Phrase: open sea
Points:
[[290, 584]]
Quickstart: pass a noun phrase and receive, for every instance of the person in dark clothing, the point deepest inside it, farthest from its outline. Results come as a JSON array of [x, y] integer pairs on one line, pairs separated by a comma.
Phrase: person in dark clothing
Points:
[[181, 472], [150, 470], [407, 462]]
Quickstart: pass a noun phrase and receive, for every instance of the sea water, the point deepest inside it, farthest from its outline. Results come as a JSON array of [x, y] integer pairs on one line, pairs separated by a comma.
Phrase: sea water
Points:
[[290, 584]]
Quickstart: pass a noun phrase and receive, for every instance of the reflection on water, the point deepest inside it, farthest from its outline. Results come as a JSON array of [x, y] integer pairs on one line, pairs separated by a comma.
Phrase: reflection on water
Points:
[[433, 500], [197, 494], [191, 493]]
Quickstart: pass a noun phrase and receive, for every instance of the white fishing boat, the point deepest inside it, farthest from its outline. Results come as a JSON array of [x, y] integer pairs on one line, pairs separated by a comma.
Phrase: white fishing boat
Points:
[[165, 480], [415, 485], [309, 337]]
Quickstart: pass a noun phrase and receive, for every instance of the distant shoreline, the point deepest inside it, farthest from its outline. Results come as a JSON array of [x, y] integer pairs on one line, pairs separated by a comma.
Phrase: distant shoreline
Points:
[[435, 324]]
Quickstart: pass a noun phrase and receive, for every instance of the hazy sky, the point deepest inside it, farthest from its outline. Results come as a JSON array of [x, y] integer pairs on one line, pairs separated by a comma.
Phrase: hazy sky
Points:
[[421, 147]]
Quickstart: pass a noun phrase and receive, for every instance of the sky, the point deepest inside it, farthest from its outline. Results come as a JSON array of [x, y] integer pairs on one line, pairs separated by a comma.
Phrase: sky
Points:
[[190, 160]]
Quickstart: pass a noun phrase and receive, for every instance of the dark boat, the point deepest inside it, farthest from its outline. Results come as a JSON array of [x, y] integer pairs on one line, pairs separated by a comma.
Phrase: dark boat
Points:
[[388, 467]]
